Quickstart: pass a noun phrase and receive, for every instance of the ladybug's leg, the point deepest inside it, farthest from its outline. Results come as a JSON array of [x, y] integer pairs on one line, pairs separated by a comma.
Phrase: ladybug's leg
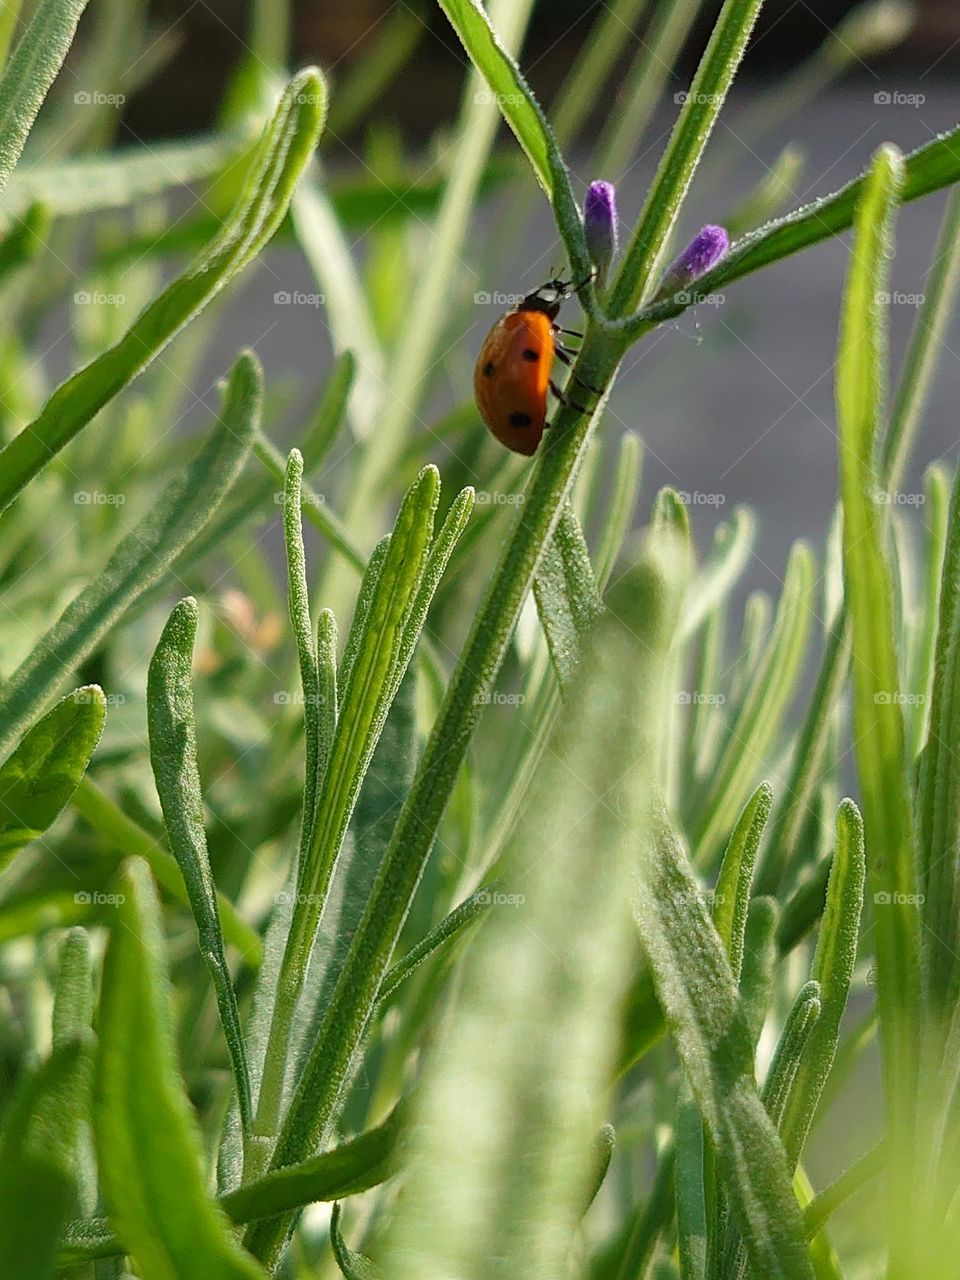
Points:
[[573, 333], [565, 400], [565, 357]]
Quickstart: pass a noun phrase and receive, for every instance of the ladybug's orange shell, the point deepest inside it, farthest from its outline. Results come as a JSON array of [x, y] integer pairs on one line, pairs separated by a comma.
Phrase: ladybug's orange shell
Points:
[[510, 384]]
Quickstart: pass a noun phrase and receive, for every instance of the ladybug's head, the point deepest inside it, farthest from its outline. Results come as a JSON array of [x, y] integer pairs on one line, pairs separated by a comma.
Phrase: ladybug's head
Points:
[[549, 297]]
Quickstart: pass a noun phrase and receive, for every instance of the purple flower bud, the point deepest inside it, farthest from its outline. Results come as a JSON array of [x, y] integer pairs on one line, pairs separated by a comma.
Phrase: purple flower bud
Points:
[[600, 224], [703, 252]]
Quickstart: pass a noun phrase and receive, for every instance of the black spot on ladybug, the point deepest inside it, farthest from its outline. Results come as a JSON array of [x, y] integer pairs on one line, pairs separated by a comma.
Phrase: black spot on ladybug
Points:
[[530, 354], [488, 369], [520, 420]]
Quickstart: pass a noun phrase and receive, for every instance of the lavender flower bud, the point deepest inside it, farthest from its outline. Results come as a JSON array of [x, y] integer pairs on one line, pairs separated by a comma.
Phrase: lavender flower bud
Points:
[[703, 252], [600, 224]]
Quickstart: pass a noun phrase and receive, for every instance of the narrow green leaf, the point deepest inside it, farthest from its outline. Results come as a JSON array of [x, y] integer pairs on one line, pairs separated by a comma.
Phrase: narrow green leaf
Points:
[[679, 162], [91, 183], [930, 168], [148, 1144], [822, 1207], [28, 75], [619, 506], [377, 653], [41, 775], [760, 714], [732, 547], [298, 604], [920, 362], [566, 594], [38, 1157], [173, 758], [938, 788], [525, 117], [779, 1085], [353, 1266], [689, 1182], [438, 938], [731, 897], [809, 753], [833, 965], [141, 557], [25, 240], [286, 147], [346, 1170], [321, 431], [877, 714], [73, 996], [120, 834], [696, 989]]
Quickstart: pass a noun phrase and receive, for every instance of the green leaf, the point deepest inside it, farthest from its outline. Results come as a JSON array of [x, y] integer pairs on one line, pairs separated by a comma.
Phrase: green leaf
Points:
[[30, 72], [173, 758], [298, 605], [731, 897], [141, 557], [920, 362], [38, 1157], [41, 775], [929, 168], [938, 787], [833, 965], [377, 652], [353, 1266], [120, 834], [439, 937], [525, 117], [321, 431], [696, 989], [25, 240], [689, 1184], [148, 1144], [619, 506], [779, 1086], [809, 754], [92, 183], [732, 547], [877, 714], [679, 162], [286, 147], [73, 997], [346, 1170], [566, 594], [760, 714]]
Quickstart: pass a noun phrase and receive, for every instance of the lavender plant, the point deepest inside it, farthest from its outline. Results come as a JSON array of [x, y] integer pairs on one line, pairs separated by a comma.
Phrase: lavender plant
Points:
[[311, 967]]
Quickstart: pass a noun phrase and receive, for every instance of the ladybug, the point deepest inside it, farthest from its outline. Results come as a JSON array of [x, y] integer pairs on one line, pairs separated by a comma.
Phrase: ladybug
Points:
[[512, 374]]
